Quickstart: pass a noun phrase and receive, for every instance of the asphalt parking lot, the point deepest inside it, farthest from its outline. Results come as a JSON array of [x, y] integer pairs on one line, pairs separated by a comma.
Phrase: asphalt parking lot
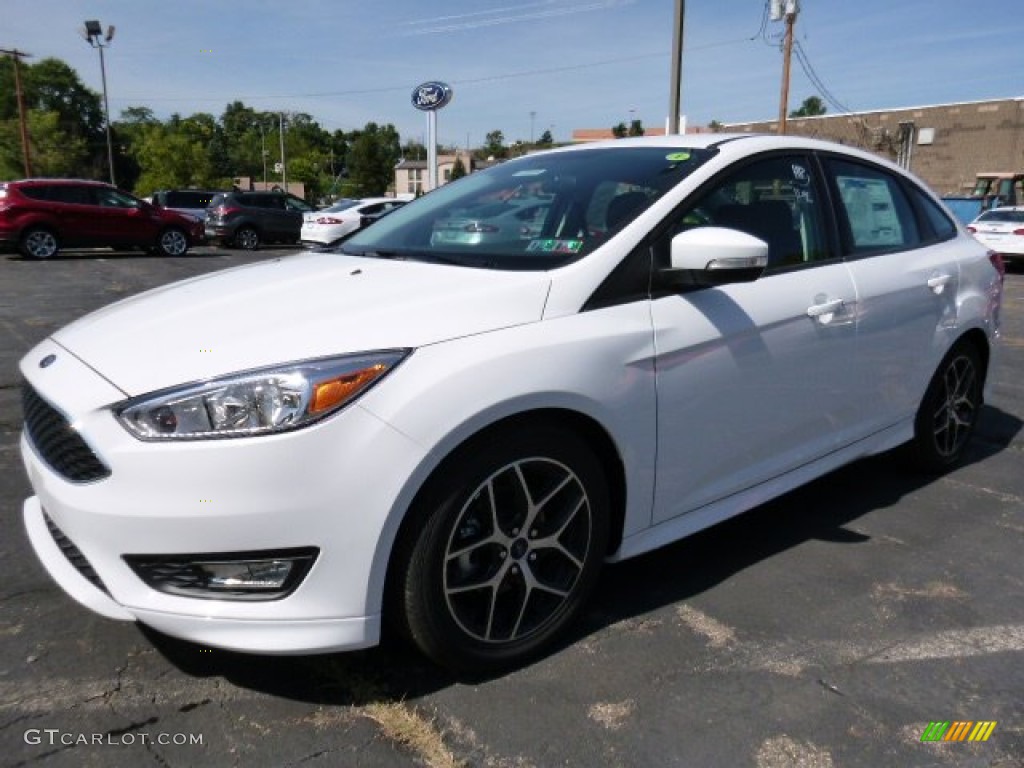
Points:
[[827, 628]]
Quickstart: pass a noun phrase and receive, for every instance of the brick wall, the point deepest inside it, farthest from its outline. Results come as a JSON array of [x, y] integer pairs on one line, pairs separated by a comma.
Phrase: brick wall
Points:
[[967, 138]]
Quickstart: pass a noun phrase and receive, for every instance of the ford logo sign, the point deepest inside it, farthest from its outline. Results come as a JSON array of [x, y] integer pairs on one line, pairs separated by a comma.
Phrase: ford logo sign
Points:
[[431, 96]]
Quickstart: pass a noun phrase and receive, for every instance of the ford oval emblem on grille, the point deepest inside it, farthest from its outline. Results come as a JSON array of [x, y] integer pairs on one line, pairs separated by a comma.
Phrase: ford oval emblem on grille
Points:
[[47, 361]]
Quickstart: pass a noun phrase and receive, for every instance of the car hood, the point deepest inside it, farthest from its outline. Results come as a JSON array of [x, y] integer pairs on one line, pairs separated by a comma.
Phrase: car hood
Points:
[[304, 306]]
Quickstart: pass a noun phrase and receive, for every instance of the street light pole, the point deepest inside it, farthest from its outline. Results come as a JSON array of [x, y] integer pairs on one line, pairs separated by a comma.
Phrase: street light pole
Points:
[[92, 33]]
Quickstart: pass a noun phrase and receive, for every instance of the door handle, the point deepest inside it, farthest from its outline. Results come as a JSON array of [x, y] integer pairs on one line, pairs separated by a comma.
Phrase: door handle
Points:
[[937, 284], [823, 312]]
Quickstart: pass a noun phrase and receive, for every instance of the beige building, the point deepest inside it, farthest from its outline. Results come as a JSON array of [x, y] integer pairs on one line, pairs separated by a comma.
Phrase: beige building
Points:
[[412, 176], [945, 144]]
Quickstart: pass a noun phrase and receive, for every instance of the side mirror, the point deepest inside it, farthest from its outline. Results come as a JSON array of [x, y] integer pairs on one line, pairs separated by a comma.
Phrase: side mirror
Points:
[[708, 256]]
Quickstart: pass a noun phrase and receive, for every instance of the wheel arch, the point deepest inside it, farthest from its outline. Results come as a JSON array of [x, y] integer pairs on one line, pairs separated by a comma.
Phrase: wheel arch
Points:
[[580, 424], [977, 338]]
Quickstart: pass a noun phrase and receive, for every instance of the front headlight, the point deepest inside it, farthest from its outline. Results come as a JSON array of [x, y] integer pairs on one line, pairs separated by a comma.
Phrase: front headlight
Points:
[[257, 402]]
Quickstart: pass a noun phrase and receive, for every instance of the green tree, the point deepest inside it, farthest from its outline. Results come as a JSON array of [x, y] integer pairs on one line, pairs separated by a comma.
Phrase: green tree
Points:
[[636, 128], [458, 169], [494, 145], [53, 151], [174, 155], [545, 140], [67, 114], [715, 126], [620, 131], [372, 159], [811, 107]]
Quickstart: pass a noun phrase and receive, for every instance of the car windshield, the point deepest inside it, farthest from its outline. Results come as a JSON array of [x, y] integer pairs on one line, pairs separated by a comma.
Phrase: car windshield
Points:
[[537, 212], [1013, 217]]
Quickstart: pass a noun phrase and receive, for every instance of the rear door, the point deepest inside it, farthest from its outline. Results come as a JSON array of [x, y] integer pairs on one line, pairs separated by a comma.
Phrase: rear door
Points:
[[907, 276]]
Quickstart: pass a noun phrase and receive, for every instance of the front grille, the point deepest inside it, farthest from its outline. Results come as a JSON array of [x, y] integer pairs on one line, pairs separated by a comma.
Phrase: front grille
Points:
[[74, 555], [56, 442]]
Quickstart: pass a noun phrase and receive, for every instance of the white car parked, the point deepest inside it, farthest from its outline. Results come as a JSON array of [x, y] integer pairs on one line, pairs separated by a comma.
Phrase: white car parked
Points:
[[454, 436], [345, 216], [1002, 230]]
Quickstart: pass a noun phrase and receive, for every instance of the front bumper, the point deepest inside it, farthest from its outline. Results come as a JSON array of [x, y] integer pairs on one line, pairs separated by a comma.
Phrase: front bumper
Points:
[[337, 486]]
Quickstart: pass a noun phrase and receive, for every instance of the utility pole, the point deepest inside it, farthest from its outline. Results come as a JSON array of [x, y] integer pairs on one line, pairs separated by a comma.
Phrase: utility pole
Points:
[[17, 55], [677, 68], [787, 9], [284, 165]]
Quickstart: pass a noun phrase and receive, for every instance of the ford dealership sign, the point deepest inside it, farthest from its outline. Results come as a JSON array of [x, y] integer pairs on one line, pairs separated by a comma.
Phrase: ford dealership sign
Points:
[[431, 96]]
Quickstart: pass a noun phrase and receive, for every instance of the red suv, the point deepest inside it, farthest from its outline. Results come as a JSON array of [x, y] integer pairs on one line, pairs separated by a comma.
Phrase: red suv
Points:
[[41, 216]]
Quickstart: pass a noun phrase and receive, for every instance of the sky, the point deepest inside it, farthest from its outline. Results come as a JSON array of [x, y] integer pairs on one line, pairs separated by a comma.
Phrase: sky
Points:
[[525, 67]]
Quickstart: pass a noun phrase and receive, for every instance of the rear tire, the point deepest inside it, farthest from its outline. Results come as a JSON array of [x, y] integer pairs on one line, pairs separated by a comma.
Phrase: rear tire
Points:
[[38, 243], [508, 545], [247, 238], [949, 410]]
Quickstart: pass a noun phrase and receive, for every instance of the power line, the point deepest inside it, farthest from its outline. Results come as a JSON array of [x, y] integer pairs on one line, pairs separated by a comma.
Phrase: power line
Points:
[[805, 64], [468, 81]]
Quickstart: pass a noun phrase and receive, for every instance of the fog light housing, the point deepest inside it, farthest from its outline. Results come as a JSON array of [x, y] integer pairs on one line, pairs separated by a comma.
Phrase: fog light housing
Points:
[[265, 575]]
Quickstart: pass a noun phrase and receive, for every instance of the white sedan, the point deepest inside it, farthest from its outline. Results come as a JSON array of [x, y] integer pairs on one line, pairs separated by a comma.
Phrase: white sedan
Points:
[[454, 437], [345, 216], [1002, 230]]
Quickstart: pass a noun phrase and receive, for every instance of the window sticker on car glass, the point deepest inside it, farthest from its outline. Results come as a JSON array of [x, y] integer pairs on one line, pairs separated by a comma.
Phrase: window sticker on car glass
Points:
[[800, 175], [554, 246], [530, 172], [678, 157]]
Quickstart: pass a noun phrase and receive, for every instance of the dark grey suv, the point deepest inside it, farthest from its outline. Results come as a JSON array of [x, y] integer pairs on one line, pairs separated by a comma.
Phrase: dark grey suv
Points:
[[247, 219]]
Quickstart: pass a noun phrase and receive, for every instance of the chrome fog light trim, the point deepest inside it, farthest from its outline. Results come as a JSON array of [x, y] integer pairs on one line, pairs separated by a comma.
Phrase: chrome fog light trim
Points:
[[266, 575]]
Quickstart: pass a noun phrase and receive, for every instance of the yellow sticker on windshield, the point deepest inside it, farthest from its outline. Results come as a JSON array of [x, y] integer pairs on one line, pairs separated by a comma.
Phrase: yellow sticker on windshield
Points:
[[678, 157]]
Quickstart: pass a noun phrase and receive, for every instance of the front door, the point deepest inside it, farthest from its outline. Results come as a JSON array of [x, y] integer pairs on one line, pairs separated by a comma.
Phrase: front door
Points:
[[756, 379]]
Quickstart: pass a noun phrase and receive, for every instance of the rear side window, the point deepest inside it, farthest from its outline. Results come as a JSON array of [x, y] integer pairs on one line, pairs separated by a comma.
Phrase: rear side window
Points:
[[66, 193], [941, 225], [875, 214], [37, 192]]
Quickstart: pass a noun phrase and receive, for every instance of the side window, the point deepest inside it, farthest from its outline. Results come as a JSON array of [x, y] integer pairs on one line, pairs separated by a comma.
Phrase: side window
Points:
[[776, 199], [38, 192], [875, 214], [941, 225], [297, 204], [111, 198], [69, 193], [370, 210]]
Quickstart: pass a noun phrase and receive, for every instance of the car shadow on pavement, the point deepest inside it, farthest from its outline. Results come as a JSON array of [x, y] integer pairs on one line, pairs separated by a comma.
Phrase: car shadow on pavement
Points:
[[821, 510]]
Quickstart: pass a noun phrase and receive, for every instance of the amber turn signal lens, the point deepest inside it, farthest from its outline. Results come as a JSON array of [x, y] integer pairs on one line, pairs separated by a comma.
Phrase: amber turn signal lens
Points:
[[331, 393]]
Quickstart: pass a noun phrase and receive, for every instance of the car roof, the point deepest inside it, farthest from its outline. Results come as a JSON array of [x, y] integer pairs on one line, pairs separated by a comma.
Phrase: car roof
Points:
[[41, 180]]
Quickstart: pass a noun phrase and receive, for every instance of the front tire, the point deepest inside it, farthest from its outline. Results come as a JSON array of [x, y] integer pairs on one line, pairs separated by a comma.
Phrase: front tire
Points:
[[172, 242], [38, 243], [514, 535], [949, 410]]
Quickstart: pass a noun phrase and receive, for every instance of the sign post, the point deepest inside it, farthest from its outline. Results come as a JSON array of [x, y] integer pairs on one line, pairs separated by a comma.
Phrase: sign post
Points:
[[429, 98]]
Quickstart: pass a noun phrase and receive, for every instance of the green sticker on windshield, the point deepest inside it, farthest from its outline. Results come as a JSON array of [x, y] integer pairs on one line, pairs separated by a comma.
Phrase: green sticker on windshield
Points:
[[678, 157]]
